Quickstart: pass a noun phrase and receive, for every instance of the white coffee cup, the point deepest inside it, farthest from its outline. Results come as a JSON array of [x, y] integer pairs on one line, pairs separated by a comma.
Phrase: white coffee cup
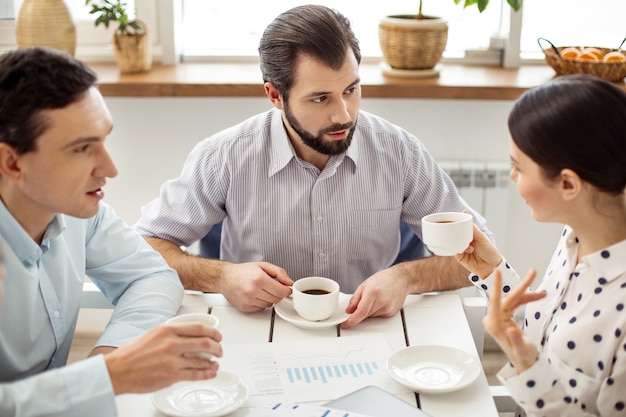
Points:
[[447, 233], [206, 319], [315, 298]]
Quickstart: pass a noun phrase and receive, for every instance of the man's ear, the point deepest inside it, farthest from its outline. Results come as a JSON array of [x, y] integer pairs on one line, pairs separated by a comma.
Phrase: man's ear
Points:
[[9, 166], [571, 184], [274, 95]]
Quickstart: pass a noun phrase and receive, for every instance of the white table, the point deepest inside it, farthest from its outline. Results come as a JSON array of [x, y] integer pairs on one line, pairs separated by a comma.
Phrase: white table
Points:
[[431, 319]]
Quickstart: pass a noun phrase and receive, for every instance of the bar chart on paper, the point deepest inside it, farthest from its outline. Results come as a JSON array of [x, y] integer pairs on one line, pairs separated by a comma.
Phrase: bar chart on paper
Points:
[[296, 369], [329, 373]]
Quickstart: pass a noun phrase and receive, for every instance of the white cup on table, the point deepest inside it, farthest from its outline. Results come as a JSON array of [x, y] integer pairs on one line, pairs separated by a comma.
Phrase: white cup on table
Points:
[[315, 298], [206, 319], [447, 233]]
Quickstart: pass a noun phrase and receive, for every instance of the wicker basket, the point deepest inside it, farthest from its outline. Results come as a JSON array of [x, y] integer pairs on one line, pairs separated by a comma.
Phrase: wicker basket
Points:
[[612, 71], [45, 23], [133, 51], [411, 44]]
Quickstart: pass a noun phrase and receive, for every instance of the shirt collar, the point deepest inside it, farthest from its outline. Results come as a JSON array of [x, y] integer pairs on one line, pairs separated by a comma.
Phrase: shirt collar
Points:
[[606, 263], [24, 247], [282, 151]]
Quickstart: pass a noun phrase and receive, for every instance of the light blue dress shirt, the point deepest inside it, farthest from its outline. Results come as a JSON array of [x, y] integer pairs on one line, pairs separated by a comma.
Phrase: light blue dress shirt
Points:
[[43, 286]]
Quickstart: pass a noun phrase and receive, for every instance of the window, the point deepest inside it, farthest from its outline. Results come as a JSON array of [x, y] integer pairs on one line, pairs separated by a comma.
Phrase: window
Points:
[[572, 23], [93, 44], [226, 28], [222, 28], [219, 29]]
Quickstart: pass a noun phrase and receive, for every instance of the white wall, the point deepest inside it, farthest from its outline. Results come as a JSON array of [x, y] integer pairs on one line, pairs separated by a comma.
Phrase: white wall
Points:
[[152, 137]]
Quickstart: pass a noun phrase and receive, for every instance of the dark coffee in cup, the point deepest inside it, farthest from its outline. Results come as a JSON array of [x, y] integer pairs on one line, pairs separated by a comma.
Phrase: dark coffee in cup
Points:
[[315, 298], [315, 291]]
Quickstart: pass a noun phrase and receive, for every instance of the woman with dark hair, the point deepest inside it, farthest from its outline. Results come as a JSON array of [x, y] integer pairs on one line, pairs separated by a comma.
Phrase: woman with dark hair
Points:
[[568, 150]]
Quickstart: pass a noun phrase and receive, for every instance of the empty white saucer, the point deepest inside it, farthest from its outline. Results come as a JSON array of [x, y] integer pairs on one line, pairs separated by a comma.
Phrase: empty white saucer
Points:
[[208, 398], [285, 310], [433, 369]]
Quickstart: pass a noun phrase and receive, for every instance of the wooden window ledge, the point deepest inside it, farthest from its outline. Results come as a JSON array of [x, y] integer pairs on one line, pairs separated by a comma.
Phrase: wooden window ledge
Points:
[[244, 80]]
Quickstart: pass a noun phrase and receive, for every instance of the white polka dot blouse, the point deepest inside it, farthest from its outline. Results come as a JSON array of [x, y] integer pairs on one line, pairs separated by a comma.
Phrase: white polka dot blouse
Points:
[[579, 329]]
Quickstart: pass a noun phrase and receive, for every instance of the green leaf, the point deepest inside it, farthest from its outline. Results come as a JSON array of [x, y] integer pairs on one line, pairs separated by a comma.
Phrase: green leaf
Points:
[[515, 4], [135, 26], [108, 11], [482, 5]]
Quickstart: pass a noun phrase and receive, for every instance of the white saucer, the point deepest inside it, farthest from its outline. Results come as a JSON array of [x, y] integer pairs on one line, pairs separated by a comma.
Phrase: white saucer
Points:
[[285, 310], [208, 398], [433, 369]]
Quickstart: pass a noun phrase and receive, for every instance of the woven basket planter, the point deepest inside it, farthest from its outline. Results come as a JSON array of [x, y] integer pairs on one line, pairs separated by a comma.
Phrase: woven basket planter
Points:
[[45, 23], [409, 43], [133, 51]]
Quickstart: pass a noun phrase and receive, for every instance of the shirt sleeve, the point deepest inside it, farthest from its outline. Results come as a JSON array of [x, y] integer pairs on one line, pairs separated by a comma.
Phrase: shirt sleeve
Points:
[[188, 206], [133, 276], [541, 390], [510, 280], [429, 189], [80, 389]]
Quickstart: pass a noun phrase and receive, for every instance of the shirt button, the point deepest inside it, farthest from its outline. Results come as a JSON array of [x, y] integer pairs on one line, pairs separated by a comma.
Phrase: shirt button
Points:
[[56, 314], [321, 254], [319, 218]]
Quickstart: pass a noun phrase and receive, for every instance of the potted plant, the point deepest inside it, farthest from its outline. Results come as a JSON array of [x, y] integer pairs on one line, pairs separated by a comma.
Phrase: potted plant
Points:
[[416, 42], [130, 41]]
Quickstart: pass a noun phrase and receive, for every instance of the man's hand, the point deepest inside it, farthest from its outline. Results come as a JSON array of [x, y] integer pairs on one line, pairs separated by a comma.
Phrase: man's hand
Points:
[[254, 286], [157, 359], [381, 295]]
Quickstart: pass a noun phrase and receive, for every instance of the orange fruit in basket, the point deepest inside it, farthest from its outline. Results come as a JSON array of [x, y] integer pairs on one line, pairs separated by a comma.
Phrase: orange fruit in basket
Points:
[[570, 53], [588, 56], [598, 53], [614, 57]]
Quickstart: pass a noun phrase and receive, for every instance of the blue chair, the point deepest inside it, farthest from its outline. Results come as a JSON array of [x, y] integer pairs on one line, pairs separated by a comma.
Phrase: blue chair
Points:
[[411, 247]]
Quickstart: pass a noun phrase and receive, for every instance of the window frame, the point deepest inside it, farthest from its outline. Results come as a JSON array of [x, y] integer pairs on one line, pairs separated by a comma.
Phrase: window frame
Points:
[[94, 44], [164, 20]]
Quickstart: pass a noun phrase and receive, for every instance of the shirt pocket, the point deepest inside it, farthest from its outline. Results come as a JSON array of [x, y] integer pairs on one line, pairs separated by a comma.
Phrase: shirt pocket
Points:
[[375, 219], [374, 234]]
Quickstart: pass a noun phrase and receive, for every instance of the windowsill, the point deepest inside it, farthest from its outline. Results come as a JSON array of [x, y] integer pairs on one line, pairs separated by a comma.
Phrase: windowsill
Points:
[[196, 79]]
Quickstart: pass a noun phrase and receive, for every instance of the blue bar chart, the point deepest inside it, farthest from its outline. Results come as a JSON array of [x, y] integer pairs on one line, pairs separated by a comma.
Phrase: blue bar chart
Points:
[[331, 372], [311, 370]]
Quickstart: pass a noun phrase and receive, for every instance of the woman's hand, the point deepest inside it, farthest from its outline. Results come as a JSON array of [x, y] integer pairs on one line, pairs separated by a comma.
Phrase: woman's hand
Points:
[[499, 322], [481, 256]]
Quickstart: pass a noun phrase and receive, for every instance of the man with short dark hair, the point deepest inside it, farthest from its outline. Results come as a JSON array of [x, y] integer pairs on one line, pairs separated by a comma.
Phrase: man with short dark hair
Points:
[[314, 186], [53, 165]]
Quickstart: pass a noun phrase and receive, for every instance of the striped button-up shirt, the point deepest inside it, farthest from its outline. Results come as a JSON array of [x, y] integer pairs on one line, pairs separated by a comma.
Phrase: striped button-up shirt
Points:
[[341, 222]]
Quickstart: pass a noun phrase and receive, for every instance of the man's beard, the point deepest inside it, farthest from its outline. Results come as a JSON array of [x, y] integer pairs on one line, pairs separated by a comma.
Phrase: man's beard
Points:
[[318, 143]]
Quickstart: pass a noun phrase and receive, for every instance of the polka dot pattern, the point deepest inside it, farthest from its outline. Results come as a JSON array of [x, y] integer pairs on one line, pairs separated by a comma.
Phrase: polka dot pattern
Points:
[[579, 330]]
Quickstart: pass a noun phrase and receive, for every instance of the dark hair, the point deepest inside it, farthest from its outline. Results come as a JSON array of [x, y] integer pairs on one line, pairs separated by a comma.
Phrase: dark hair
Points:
[[35, 79], [313, 30], [576, 122]]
